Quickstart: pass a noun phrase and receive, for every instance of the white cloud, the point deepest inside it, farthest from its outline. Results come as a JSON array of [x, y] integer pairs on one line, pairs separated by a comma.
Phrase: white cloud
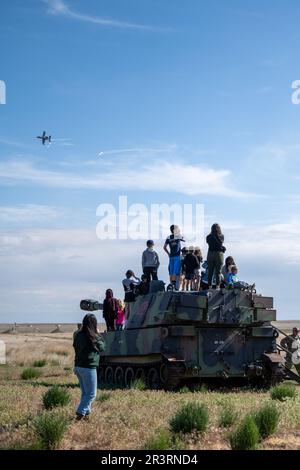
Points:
[[58, 7], [274, 160], [28, 213], [175, 177], [45, 273], [270, 242]]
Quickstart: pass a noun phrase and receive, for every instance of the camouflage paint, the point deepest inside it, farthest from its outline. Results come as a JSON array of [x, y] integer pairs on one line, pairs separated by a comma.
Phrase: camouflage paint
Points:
[[225, 333]]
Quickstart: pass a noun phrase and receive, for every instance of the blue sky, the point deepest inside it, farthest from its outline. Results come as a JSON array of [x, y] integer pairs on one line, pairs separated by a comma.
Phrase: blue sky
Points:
[[198, 93]]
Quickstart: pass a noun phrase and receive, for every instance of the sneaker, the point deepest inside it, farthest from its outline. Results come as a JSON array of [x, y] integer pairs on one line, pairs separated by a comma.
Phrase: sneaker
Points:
[[79, 417]]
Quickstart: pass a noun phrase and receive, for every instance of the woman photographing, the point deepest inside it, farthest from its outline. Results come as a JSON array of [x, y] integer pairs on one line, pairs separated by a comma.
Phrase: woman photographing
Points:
[[215, 256]]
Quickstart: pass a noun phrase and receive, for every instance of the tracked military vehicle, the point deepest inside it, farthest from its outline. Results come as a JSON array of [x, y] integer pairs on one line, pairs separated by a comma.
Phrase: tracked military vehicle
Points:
[[173, 338]]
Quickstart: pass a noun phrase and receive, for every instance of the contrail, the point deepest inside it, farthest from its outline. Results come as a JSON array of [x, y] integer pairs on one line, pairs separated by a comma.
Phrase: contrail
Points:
[[138, 150]]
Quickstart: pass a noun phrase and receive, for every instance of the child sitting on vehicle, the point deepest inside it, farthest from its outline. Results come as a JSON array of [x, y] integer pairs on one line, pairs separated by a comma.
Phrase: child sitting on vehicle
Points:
[[232, 281], [231, 277]]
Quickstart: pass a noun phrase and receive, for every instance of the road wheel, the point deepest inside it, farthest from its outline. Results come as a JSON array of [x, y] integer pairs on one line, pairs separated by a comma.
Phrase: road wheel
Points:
[[140, 374], [129, 377], [153, 379], [119, 377], [109, 376], [163, 373]]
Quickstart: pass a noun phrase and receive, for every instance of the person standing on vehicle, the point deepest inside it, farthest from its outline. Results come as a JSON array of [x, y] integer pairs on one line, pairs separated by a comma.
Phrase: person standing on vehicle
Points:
[[173, 242], [130, 284], [150, 262], [215, 255], [110, 310]]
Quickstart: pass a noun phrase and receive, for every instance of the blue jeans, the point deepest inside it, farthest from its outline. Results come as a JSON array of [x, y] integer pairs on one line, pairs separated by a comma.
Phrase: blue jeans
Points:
[[88, 385]]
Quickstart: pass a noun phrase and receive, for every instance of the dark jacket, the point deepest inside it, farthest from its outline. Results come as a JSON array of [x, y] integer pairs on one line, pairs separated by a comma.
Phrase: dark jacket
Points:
[[110, 309], [143, 288], [215, 243], [87, 355], [130, 288], [190, 263]]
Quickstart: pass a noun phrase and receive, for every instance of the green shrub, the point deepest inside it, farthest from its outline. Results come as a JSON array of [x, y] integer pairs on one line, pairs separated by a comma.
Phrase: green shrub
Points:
[[55, 396], [163, 440], [138, 384], [40, 363], [103, 397], [199, 387], [35, 445], [190, 417], [184, 389], [30, 373], [283, 391], [49, 429], [246, 436], [266, 420], [227, 417]]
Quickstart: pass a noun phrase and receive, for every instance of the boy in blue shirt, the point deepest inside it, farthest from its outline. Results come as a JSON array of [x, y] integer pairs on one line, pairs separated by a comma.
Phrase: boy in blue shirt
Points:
[[231, 276], [173, 242]]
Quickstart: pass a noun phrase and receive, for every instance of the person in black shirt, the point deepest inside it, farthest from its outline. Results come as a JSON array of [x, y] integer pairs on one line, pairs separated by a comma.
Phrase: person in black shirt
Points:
[[190, 263], [173, 242], [215, 256], [144, 286], [110, 310], [130, 284]]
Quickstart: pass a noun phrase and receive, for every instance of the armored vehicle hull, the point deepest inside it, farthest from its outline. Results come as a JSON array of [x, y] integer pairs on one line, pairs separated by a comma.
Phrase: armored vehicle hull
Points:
[[173, 338]]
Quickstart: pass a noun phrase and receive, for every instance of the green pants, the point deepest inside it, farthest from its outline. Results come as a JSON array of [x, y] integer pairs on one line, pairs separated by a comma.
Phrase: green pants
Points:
[[215, 261]]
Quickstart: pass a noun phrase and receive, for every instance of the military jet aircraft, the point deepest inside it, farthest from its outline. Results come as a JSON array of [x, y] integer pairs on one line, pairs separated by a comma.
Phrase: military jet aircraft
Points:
[[44, 138]]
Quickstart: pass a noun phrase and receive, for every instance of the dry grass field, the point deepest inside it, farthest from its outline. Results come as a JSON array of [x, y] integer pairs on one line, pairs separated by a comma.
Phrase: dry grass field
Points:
[[121, 419]]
